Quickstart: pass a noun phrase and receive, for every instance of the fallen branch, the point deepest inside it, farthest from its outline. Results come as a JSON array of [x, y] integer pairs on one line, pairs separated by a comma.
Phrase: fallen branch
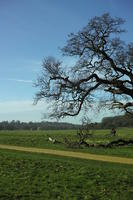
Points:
[[79, 144], [119, 142]]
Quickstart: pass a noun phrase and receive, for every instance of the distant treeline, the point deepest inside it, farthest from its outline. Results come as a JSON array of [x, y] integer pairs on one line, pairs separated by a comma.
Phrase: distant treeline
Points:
[[17, 125], [113, 122], [117, 121], [106, 123]]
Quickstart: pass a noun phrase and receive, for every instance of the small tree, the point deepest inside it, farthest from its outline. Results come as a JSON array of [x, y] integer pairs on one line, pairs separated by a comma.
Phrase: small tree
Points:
[[102, 73]]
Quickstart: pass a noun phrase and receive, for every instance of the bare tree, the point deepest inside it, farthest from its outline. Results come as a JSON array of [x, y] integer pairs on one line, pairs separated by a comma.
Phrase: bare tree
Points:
[[102, 73]]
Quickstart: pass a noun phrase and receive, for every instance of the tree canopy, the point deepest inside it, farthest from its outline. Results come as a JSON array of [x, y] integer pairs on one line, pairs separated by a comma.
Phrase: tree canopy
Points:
[[102, 73]]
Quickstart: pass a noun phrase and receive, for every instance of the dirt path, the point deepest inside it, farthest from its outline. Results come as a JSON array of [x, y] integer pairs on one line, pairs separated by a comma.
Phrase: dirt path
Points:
[[87, 156]]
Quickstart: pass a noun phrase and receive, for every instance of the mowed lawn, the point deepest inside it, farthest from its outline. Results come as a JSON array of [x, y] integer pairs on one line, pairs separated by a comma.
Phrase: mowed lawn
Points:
[[40, 139], [29, 176]]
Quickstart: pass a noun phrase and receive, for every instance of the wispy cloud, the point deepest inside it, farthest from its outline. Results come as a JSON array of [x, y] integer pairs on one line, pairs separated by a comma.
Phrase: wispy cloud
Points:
[[21, 110], [26, 111], [17, 80], [21, 106]]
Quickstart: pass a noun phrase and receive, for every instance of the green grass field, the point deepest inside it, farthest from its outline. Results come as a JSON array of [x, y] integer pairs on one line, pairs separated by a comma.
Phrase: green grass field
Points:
[[40, 139], [30, 176]]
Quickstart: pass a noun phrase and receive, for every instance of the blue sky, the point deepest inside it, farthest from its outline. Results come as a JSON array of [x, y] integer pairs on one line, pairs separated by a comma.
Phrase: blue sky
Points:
[[33, 29]]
